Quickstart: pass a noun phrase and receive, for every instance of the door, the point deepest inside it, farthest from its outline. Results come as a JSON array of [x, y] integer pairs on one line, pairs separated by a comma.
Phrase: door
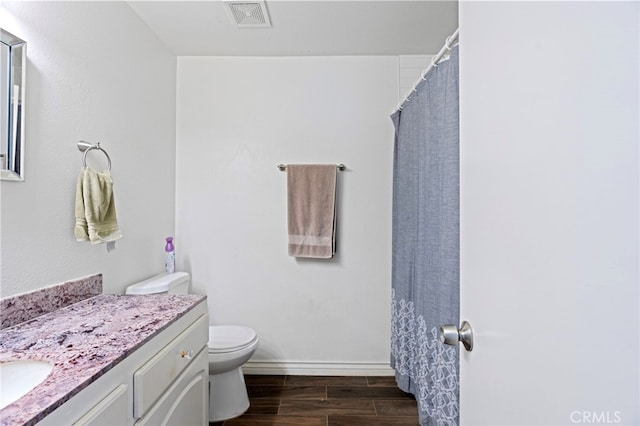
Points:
[[549, 212]]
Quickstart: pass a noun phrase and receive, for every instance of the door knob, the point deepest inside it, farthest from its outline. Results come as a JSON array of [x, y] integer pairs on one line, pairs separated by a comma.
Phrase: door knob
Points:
[[451, 335]]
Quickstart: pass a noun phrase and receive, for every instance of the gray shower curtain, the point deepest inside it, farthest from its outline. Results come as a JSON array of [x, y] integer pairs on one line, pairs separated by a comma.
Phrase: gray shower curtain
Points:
[[425, 264]]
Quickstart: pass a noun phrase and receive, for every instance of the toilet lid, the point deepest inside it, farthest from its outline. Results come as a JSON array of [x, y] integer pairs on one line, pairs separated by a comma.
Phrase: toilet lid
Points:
[[228, 337]]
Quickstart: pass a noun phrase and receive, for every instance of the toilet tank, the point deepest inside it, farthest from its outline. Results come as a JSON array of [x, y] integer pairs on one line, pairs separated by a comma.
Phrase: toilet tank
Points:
[[169, 283]]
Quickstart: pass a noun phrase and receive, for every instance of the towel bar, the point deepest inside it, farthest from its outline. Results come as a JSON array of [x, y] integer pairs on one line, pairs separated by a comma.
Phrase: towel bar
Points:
[[340, 167], [86, 147]]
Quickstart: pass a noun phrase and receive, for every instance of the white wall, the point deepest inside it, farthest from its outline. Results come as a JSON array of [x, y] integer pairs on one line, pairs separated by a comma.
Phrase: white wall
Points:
[[237, 119], [550, 212], [94, 72]]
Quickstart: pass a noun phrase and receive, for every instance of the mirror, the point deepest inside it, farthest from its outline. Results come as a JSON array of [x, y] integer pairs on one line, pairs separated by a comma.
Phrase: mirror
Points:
[[12, 85]]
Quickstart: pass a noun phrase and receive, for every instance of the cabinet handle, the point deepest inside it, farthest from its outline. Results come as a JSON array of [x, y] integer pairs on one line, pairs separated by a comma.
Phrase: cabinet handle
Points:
[[186, 354]]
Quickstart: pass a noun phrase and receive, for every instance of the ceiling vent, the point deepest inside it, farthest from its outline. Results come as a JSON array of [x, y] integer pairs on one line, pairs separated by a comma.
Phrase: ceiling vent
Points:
[[249, 14]]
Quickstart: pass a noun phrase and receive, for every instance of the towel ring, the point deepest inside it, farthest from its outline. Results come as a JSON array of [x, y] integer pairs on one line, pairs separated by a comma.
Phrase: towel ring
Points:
[[86, 147]]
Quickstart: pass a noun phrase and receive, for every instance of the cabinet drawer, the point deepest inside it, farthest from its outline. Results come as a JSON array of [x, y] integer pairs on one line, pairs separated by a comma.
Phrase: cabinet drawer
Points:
[[159, 372]]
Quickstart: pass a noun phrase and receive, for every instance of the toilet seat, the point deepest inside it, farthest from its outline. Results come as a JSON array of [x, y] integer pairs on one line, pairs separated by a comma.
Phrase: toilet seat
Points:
[[230, 338]]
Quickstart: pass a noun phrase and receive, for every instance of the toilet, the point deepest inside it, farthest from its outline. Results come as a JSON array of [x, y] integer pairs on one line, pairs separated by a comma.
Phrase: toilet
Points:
[[230, 346]]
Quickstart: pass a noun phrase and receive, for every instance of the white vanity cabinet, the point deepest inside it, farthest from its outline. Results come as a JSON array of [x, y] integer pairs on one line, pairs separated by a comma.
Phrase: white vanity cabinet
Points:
[[163, 382]]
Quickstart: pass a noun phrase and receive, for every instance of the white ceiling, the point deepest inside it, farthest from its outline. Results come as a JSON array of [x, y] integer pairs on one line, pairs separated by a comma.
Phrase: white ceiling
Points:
[[327, 27]]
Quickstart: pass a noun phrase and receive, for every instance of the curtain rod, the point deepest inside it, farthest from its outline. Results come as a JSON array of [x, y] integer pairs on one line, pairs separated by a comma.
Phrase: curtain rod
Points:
[[450, 42]]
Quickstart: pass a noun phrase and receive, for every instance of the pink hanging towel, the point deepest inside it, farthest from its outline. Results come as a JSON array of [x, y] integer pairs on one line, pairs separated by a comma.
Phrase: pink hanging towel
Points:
[[311, 202]]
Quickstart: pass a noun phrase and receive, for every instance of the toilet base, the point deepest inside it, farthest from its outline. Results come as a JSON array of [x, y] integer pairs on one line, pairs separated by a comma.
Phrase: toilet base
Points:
[[227, 395]]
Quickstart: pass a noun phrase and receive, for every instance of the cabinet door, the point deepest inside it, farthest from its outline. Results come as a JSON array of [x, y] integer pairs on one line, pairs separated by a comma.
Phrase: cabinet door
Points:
[[155, 376], [112, 410], [185, 402]]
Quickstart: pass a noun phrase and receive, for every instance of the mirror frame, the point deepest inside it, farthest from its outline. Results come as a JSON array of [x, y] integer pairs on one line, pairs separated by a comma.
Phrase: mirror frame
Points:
[[13, 139]]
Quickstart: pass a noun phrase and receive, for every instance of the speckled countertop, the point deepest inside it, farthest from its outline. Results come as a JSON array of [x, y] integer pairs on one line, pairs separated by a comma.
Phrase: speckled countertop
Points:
[[83, 341]]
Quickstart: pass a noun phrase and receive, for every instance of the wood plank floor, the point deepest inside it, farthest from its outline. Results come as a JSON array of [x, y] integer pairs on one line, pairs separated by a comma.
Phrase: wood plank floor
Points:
[[325, 401]]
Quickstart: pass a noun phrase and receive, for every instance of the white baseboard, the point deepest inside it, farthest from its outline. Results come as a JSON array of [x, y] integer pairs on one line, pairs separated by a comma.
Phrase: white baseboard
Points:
[[316, 368]]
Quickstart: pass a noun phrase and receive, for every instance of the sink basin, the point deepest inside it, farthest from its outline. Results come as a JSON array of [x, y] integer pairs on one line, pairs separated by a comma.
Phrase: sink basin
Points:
[[19, 377]]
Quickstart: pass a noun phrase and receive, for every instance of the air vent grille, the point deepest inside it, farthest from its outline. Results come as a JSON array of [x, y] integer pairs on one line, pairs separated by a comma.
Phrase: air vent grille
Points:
[[247, 14]]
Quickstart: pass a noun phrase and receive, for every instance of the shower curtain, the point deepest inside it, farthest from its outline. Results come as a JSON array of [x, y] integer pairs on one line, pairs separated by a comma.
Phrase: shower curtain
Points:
[[425, 259]]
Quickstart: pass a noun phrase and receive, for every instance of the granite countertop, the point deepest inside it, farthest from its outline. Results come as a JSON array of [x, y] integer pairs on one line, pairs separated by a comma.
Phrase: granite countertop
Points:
[[83, 341]]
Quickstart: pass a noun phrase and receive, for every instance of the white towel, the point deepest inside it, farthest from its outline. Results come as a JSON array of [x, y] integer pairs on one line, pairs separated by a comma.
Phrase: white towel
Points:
[[311, 202], [95, 208]]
